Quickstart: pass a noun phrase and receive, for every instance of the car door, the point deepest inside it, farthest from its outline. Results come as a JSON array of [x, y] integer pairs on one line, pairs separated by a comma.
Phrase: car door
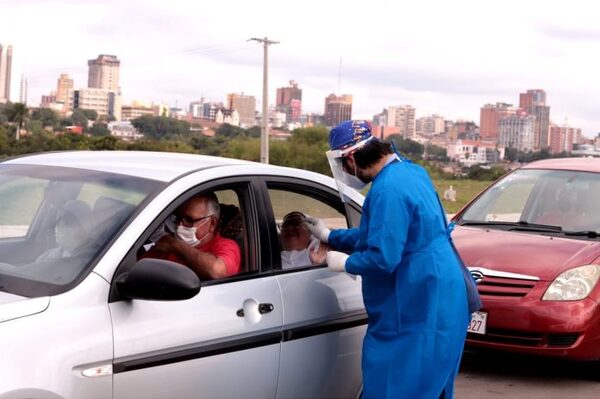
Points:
[[222, 343], [324, 318]]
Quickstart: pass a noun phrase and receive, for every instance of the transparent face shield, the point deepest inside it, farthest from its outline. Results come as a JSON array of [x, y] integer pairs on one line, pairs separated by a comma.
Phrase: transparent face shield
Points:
[[343, 179]]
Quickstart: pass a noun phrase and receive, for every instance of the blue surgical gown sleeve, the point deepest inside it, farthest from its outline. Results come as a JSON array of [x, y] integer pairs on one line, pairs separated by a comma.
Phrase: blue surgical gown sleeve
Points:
[[344, 240], [385, 233]]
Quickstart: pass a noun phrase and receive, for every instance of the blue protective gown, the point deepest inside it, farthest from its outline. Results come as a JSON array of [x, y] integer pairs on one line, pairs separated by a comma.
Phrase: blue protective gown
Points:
[[412, 285]]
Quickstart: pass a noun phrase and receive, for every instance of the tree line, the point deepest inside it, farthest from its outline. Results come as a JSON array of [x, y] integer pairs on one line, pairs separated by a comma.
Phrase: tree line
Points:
[[305, 149]]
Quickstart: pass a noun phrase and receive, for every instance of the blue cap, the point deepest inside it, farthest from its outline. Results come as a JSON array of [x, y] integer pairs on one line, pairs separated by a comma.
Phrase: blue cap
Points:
[[349, 133]]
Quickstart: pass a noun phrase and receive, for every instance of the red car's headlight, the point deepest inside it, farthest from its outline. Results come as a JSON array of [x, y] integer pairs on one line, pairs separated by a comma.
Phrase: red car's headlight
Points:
[[573, 284]]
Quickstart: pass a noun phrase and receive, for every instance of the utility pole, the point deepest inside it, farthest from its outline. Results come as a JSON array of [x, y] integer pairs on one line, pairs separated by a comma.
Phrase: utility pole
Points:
[[264, 133]]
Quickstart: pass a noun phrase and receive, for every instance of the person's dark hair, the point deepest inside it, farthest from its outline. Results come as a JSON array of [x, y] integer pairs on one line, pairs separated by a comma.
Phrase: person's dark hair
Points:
[[372, 152], [230, 223], [293, 219]]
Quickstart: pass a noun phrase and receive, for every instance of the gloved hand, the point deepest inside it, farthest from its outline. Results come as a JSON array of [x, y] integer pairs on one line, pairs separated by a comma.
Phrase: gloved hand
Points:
[[336, 261], [317, 228], [317, 251]]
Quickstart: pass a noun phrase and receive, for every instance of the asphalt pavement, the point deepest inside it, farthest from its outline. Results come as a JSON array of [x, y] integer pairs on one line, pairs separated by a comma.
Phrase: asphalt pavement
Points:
[[496, 375]]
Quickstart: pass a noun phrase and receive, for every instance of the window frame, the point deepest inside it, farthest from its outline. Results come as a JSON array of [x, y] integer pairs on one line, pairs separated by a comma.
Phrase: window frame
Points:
[[245, 188], [310, 189]]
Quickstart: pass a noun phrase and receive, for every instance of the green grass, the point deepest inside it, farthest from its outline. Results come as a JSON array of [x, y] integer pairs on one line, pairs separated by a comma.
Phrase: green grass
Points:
[[466, 190]]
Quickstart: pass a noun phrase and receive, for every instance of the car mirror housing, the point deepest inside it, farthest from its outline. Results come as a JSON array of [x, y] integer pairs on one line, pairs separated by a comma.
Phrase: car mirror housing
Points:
[[159, 280]]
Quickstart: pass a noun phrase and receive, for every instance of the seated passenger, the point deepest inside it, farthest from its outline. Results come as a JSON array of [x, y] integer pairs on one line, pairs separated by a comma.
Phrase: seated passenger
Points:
[[197, 243], [230, 221], [300, 248], [72, 231], [566, 211]]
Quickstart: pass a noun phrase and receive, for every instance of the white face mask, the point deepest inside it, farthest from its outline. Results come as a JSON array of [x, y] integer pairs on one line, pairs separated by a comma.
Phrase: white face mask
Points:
[[187, 235], [354, 182], [295, 258]]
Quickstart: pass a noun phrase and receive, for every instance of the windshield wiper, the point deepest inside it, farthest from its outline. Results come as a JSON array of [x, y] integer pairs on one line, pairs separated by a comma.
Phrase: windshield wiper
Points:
[[518, 226], [583, 233], [476, 223], [526, 226]]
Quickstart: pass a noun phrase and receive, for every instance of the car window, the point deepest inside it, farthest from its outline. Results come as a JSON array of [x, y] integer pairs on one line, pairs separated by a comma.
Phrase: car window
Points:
[[230, 241], [90, 193], [505, 201], [297, 247], [567, 199]]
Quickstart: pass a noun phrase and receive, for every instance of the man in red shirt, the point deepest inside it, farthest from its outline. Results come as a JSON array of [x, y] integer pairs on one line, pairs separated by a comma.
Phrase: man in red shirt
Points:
[[197, 243]]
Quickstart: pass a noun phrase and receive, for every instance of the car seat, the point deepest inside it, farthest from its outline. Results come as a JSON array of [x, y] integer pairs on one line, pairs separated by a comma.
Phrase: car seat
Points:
[[108, 215]]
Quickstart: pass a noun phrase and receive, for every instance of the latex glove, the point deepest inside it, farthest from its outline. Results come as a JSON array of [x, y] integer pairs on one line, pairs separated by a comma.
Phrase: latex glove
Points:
[[317, 251], [336, 261], [317, 228]]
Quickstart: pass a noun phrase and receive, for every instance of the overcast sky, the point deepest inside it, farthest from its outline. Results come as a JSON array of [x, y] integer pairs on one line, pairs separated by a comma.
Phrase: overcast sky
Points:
[[442, 57]]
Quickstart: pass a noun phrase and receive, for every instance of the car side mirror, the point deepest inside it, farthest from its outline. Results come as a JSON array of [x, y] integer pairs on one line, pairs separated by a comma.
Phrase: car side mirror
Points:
[[159, 280]]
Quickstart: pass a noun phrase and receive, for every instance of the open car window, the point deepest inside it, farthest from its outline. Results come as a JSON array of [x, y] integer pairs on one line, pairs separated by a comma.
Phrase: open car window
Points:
[[235, 226], [297, 247]]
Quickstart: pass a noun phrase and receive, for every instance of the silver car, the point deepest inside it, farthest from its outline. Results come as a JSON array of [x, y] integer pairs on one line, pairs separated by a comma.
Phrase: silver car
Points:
[[81, 316]]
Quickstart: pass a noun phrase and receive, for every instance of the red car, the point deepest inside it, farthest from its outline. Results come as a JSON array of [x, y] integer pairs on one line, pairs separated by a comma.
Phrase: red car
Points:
[[532, 242]]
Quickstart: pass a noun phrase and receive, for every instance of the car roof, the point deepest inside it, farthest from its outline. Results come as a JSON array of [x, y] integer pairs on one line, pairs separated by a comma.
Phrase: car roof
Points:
[[164, 166], [575, 164]]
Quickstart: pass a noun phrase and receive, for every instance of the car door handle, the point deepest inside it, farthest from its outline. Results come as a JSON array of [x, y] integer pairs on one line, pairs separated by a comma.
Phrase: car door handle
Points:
[[262, 309]]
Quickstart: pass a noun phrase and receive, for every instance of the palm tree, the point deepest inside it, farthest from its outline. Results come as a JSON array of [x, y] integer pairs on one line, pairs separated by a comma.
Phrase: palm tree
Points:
[[17, 114]]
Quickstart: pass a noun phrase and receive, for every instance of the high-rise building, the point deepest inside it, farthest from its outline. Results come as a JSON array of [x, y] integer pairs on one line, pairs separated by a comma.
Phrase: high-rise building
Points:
[[103, 73], [562, 138], [105, 102], [532, 97], [63, 86], [196, 108], [245, 107], [489, 119], [289, 101], [5, 72], [517, 131], [23, 90], [337, 109], [402, 117], [430, 125], [534, 103], [396, 120]]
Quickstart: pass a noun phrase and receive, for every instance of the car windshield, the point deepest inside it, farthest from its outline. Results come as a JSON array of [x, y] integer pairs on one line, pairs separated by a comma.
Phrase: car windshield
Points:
[[554, 201], [55, 221]]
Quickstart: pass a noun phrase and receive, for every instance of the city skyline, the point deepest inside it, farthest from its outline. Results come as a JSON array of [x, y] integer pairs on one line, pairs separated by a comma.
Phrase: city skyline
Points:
[[446, 59]]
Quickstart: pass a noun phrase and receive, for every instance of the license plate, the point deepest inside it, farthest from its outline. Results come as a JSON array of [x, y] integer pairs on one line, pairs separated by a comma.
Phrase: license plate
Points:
[[478, 323]]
